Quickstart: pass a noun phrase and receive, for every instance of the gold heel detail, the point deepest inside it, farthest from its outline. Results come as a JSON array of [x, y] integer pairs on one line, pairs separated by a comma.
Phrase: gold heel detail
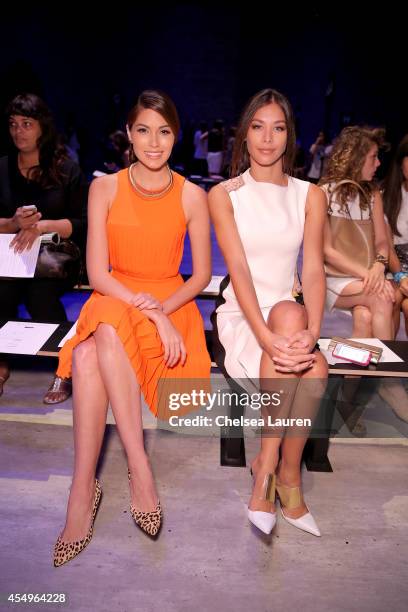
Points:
[[269, 488], [65, 551], [290, 497]]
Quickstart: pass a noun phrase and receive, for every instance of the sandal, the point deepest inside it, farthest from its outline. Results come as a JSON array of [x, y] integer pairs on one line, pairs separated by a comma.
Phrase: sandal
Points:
[[59, 390]]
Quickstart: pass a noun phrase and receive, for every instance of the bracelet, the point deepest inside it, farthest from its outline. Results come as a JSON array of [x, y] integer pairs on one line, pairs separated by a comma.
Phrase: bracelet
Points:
[[381, 259], [398, 276]]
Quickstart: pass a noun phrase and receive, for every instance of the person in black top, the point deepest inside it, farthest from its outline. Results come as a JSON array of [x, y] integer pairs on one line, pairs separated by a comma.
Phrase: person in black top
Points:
[[38, 173]]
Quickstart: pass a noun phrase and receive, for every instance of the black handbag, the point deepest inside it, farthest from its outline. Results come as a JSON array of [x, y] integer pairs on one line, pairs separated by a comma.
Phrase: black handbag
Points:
[[59, 259]]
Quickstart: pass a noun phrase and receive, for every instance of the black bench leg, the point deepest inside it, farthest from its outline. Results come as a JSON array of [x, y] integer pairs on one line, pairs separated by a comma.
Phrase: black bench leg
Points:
[[232, 450], [315, 455], [232, 443]]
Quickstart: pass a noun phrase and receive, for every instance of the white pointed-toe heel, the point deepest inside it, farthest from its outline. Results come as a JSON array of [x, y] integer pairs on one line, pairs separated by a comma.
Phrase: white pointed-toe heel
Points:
[[265, 521], [291, 498]]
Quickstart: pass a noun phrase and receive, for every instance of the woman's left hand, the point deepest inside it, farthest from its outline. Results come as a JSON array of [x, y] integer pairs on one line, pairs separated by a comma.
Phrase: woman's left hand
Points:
[[145, 301], [303, 339], [25, 238]]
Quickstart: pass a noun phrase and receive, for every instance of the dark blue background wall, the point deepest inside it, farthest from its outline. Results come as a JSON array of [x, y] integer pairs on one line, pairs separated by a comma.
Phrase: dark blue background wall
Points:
[[210, 57]]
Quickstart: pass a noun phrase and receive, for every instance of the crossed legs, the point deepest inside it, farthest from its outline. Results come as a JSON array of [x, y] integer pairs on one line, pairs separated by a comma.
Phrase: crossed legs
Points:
[[301, 397], [101, 373]]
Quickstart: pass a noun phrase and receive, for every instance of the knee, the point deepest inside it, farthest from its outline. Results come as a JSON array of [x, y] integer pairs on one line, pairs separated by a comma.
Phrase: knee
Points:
[[362, 315], [381, 305], [107, 335], [84, 357], [287, 317]]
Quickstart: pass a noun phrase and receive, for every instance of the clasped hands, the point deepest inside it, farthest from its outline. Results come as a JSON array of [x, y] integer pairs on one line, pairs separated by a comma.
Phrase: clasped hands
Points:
[[292, 353], [173, 344]]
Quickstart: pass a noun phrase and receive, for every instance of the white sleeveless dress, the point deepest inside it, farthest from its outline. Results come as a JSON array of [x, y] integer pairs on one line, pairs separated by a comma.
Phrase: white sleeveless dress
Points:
[[270, 221]]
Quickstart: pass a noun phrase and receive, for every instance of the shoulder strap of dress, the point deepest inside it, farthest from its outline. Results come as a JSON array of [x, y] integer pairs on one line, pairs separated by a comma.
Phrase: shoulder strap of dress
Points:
[[233, 184]]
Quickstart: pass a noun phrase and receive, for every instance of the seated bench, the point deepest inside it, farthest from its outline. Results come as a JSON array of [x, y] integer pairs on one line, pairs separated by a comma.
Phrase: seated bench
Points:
[[232, 444]]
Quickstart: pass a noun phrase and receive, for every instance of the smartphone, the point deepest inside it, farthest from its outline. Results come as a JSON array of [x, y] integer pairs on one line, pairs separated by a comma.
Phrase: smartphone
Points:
[[30, 207], [351, 353]]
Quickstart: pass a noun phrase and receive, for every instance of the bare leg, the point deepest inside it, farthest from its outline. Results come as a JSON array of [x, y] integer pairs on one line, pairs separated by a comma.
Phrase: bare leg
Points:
[[306, 404], [90, 404], [285, 318], [399, 298], [346, 405], [124, 395], [362, 322], [382, 324], [381, 309]]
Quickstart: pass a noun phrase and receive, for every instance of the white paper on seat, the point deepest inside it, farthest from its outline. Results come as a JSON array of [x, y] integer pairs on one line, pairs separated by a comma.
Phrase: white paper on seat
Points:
[[388, 356], [68, 335], [18, 265], [25, 337]]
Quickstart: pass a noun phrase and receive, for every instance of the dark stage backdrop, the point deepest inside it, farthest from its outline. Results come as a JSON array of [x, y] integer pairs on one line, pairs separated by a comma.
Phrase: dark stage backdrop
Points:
[[210, 57]]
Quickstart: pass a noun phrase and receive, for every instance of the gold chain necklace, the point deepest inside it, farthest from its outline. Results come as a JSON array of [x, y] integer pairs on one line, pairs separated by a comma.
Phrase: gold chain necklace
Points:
[[145, 193]]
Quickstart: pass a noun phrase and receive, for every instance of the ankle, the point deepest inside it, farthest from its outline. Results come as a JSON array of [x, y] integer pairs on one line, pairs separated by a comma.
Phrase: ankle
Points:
[[83, 486], [289, 475], [138, 463], [266, 465]]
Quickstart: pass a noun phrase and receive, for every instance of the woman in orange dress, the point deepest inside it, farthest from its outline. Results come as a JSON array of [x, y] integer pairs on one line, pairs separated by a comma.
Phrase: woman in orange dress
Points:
[[140, 324]]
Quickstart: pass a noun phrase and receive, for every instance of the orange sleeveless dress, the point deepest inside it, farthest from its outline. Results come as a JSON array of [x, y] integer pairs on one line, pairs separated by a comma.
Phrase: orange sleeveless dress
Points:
[[146, 240]]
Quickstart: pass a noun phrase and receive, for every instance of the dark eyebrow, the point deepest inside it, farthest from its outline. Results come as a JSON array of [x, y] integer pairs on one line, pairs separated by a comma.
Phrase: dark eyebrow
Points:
[[278, 121], [147, 126]]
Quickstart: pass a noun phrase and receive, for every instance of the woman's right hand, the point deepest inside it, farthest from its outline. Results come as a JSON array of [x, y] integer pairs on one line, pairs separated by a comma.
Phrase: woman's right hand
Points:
[[173, 343], [25, 219], [145, 301], [287, 357], [375, 282]]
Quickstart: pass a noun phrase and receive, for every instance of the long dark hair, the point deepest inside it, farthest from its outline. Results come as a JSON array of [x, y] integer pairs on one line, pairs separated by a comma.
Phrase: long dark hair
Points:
[[392, 185], [240, 157], [51, 153], [160, 102]]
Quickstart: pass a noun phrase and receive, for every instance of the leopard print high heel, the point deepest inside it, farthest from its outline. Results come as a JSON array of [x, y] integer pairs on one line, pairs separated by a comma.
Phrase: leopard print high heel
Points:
[[65, 551], [149, 522]]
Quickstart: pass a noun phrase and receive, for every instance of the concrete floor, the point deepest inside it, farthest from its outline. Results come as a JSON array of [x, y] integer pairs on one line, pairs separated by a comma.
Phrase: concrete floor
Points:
[[208, 557]]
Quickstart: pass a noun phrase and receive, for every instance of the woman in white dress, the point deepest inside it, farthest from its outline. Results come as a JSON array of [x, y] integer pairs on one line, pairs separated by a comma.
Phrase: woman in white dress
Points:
[[357, 285], [360, 286], [261, 216]]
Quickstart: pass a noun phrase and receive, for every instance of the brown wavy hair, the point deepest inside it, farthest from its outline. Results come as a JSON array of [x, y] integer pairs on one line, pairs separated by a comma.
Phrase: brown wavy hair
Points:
[[392, 186], [346, 162], [160, 102], [240, 157]]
